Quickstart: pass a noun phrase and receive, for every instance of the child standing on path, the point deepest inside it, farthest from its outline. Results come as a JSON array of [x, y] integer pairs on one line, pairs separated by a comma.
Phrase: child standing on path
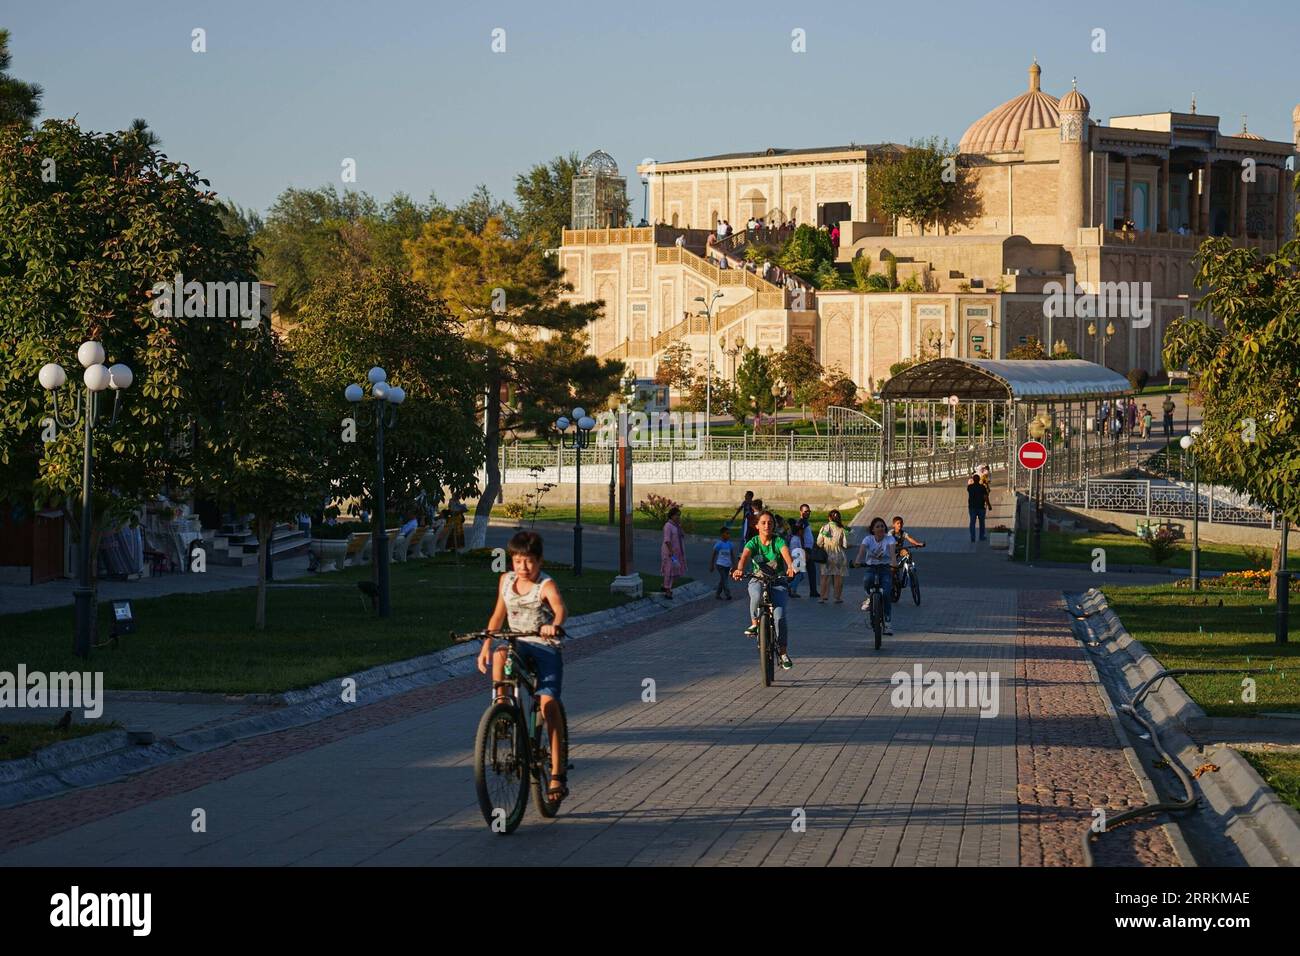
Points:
[[721, 560]]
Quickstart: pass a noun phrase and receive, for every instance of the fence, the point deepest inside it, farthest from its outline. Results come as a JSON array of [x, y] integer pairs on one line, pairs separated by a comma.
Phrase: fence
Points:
[[1160, 500]]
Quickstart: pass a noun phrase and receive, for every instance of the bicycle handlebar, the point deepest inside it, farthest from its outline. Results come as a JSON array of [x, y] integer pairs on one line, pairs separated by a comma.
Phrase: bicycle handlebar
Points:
[[505, 635]]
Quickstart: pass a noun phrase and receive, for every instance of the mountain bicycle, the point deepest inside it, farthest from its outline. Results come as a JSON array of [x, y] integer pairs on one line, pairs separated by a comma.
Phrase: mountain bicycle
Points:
[[768, 655], [874, 604], [512, 749], [906, 575]]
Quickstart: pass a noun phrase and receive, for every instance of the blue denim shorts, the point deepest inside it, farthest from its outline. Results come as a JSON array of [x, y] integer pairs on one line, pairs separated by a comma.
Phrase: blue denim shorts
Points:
[[548, 663]]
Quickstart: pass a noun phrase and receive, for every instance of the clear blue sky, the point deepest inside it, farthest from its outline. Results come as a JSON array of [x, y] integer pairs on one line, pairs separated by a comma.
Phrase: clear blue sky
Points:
[[413, 92]]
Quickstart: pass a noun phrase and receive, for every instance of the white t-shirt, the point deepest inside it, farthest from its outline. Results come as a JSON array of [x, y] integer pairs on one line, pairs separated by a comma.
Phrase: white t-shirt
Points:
[[880, 552]]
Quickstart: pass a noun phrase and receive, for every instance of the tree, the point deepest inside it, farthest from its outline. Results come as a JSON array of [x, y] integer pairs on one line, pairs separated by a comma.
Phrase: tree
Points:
[[83, 254], [721, 399], [481, 208], [384, 317], [755, 377], [836, 388], [920, 184], [273, 468], [310, 234], [805, 251], [797, 366], [1031, 349], [1247, 369], [20, 103], [509, 297], [675, 367], [545, 194]]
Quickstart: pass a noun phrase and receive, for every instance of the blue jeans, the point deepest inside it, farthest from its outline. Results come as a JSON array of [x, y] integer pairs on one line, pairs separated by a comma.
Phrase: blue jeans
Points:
[[883, 576], [779, 598], [976, 514]]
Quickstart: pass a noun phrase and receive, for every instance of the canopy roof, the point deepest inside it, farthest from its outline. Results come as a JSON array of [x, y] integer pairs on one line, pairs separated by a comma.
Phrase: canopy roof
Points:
[[1002, 379]]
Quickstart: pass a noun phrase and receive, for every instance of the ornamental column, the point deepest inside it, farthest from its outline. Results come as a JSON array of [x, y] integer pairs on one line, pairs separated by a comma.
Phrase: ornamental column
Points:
[[1204, 217], [1243, 201], [1162, 186], [1128, 188]]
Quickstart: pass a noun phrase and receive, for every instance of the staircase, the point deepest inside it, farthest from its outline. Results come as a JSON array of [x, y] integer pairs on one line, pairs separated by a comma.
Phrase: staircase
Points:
[[236, 545]]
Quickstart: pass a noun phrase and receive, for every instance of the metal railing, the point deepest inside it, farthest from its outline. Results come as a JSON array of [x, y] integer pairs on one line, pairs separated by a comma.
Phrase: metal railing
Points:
[[1162, 500]]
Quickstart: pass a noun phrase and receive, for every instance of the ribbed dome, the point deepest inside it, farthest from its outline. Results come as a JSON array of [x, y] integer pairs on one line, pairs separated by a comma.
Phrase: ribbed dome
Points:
[[1074, 101], [1245, 133], [998, 131]]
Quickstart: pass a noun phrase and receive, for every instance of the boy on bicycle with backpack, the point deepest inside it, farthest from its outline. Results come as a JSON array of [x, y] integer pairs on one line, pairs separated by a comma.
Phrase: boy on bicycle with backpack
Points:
[[902, 539], [529, 600]]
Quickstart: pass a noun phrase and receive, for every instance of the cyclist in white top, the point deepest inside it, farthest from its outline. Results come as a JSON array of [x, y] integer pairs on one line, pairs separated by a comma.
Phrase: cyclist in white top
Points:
[[882, 562]]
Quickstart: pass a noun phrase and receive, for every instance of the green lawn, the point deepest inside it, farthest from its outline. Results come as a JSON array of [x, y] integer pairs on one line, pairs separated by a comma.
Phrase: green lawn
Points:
[[1122, 549], [21, 740], [1165, 389], [696, 519], [206, 642], [1280, 770], [1218, 627]]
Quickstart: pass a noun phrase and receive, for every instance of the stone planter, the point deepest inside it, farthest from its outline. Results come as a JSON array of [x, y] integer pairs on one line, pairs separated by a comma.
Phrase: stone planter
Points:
[[331, 551], [1000, 540]]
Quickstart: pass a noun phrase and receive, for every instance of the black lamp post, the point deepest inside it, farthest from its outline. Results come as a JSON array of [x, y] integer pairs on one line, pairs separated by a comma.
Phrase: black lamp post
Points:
[[97, 378], [581, 437], [386, 398], [1188, 443]]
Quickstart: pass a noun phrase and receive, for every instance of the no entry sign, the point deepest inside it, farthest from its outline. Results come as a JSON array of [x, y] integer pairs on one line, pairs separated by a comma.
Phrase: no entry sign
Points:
[[1032, 455]]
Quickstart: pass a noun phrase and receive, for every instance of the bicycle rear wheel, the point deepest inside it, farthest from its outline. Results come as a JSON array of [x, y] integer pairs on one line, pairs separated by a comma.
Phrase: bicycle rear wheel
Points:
[[542, 762], [916, 587], [878, 616], [501, 767], [766, 637]]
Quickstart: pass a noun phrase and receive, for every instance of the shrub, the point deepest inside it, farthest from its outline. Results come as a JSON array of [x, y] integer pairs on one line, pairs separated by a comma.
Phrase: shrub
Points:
[[902, 366], [1138, 378], [862, 272], [911, 284], [877, 282], [1162, 545], [514, 509], [827, 277], [891, 270], [656, 507]]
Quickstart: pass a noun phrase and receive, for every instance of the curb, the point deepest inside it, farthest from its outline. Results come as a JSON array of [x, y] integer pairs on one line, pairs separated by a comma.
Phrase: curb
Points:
[[101, 758], [1265, 830]]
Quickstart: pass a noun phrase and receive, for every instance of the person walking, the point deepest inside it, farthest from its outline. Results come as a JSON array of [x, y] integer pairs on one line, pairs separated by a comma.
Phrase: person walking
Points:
[[721, 559], [834, 538], [745, 510], [977, 502], [1132, 415], [801, 534], [1146, 422], [672, 553], [1168, 408]]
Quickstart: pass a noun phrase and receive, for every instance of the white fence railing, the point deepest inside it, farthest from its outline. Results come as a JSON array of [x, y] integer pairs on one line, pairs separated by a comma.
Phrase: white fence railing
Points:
[[1158, 499]]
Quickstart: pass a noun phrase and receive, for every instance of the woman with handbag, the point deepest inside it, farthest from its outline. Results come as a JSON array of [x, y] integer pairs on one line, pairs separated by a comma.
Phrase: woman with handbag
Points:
[[672, 554], [834, 540]]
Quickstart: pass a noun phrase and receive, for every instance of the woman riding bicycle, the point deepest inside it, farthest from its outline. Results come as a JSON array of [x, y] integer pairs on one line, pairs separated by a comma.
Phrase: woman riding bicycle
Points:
[[882, 562], [763, 549]]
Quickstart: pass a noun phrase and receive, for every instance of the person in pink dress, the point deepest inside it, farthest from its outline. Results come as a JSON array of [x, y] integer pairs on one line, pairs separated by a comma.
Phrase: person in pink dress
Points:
[[672, 554]]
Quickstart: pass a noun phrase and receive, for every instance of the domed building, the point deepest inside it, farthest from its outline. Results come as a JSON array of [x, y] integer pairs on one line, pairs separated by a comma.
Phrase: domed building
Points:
[[599, 193], [1057, 214]]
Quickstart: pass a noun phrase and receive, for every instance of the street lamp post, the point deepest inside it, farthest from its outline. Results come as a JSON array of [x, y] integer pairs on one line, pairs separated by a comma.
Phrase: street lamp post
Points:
[[386, 398], [97, 377], [582, 425], [1188, 443], [708, 385], [1103, 338], [629, 394], [776, 405]]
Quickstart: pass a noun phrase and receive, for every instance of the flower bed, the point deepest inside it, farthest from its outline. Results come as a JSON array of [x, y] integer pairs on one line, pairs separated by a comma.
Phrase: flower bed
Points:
[[1254, 580]]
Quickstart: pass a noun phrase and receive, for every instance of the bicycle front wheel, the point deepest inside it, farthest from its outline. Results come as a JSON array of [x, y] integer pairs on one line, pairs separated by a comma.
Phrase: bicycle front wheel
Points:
[[878, 617], [501, 767], [766, 637], [543, 762]]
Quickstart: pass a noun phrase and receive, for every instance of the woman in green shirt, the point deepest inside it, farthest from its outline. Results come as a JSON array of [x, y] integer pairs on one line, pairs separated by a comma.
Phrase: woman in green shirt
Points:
[[764, 549]]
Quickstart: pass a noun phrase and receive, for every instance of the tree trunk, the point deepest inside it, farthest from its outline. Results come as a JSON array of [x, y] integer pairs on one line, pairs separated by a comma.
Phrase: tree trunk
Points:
[[1277, 566], [477, 535], [263, 526]]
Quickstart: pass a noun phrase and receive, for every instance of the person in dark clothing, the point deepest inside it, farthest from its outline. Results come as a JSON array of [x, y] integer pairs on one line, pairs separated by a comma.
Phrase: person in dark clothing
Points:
[[977, 503]]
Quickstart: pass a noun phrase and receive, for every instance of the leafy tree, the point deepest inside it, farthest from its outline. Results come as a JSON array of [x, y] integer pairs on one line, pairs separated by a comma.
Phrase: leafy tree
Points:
[[675, 368], [836, 388], [720, 399], [481, 208], [81, 257], [310, 234], [797, 366], [805, 250], [545, 195], [828, 277], [20, 103], [891, 270], [238, 221], [1032, 349], [1247, 369], [920, 184], [509, 297], [383, 317], [862, 273], [755, 376]]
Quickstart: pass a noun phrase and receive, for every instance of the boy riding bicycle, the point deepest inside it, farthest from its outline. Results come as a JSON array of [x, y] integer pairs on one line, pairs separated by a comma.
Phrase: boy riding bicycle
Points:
[[529, 600], [901, 540]]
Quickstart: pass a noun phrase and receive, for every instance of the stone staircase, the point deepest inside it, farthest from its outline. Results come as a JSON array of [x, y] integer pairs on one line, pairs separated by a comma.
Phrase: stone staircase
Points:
[[236, 545]]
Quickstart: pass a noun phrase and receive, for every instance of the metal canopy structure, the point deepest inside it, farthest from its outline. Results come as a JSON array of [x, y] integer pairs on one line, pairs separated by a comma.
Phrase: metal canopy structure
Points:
[[1006, 379]]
